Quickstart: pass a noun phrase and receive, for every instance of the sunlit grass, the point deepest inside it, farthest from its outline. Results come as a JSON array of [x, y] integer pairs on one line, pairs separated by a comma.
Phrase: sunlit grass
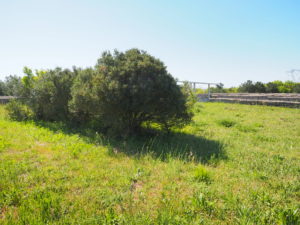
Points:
[[235, 164]]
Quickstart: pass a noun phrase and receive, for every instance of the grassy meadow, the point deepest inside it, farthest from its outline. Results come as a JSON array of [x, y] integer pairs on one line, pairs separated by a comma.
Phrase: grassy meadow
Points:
[[235, 164]]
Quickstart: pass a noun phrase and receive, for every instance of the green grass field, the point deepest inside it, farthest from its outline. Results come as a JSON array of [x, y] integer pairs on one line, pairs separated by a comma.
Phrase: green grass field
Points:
[[235, 164]]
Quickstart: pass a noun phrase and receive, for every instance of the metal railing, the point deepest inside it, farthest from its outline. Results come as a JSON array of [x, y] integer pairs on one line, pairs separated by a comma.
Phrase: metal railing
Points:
[[6, 99], [194, 83]]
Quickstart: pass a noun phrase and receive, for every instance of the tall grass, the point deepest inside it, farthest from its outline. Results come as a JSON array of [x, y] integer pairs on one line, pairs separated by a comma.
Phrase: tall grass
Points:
[[235, 164]]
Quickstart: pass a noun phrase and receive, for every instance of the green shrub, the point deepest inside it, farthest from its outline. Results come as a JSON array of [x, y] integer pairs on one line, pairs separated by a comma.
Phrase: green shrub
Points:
[[126, 90], [190, 94], [83, 104], [19, 111], [50, 94], [44, 95]]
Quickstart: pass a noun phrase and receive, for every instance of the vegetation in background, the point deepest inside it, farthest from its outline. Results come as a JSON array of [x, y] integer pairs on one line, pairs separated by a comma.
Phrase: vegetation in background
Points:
[[257, 87], [234, 164], [271, 87]]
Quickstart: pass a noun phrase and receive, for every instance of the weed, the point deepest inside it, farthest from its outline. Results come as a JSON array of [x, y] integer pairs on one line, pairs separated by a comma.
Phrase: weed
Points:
[[289, 217], [226, 123], [246, 128], [202, 175]]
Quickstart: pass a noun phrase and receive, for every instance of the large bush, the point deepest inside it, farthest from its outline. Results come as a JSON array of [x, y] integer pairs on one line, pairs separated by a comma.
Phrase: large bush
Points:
[[128, 89], [50, 93], [43, 95], [84, 101]]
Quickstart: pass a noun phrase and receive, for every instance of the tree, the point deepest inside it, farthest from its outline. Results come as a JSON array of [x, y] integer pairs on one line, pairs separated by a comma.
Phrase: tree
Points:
[[259, 87], [248, 87], [272, 87], [13, 85], [83, 102], [2, 88], [296, 88], [128, 89], [218, 89]]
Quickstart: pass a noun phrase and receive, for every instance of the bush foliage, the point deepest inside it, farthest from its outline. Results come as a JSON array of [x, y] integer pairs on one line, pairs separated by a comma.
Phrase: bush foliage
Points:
[[124, 91], [50, 94]]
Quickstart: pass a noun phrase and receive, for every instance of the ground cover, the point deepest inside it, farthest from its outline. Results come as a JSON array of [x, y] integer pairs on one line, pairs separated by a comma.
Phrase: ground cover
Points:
[[235, 164]]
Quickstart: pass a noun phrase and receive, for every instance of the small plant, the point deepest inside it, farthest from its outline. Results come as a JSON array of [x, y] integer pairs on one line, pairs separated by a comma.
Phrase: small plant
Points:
[[226, 123], [246, 128], [290, 216], [202, 175], [3, 143], [201, 201]]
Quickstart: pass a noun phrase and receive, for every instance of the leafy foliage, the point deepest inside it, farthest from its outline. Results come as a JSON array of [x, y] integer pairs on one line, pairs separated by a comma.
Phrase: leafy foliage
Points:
[[43, 95], [2, 88], [128, 89], [50, 94], [83, 104], [13, 86], [190, 95], [120, 94]]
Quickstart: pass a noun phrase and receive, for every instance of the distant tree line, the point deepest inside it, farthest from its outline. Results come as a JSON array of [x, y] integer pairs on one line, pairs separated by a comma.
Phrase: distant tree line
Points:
[[259, 87], [13, 86], [123, 92]]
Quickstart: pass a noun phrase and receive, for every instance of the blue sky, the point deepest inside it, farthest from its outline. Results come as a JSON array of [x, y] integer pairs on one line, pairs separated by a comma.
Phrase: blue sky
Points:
[[228, 41]]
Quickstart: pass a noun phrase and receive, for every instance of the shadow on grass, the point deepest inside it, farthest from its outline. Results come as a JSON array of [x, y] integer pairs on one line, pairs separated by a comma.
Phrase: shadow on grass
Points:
[[158, 144]]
